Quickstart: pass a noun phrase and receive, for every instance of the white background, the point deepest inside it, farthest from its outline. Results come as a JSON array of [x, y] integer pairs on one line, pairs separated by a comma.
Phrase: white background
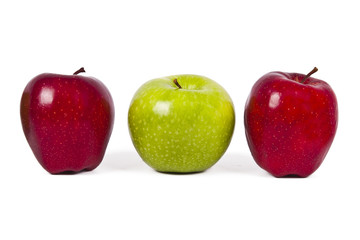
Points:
[[124, 44]]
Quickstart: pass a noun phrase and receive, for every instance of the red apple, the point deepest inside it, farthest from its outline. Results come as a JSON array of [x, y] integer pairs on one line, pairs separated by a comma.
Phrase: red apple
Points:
[[67, 121], [290, 122]]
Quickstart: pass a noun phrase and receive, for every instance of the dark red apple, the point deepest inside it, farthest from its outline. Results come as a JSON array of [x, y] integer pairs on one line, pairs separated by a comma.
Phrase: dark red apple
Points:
[[290, 122], [67, 121]]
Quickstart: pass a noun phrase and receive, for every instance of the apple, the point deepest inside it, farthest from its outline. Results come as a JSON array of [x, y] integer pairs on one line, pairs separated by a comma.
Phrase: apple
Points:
[[67, 121], [290, 122], [181, 123]]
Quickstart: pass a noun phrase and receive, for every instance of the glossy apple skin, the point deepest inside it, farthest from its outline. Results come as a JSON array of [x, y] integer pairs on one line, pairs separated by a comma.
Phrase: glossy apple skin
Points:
[[181, 130], [290, 125], [67, 121]]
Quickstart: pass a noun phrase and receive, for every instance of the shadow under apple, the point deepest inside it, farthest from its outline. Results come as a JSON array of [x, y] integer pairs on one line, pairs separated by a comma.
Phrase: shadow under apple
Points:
[[119, 161], [236, 163]]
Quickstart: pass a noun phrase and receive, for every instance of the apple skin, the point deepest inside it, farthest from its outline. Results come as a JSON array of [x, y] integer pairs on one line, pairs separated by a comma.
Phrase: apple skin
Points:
[[67, 121], [181, 130], [290, 125]]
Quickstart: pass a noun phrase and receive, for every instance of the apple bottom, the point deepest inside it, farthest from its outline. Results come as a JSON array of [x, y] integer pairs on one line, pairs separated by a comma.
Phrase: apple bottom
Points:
[[292, 146], [182, 149], [61, 158], [292, 165], [54, 166]]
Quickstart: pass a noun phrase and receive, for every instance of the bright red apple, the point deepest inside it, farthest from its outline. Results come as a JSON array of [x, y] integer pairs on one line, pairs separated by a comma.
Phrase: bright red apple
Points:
[[67, 121], [290, 122]]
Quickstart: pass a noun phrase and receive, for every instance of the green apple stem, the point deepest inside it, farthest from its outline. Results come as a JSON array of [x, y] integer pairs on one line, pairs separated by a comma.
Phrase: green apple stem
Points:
[[81, 70], [309, 74], [176, 83]]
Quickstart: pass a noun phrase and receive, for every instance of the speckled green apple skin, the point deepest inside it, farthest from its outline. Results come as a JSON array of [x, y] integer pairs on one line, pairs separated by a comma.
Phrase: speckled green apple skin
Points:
[[181, 130]]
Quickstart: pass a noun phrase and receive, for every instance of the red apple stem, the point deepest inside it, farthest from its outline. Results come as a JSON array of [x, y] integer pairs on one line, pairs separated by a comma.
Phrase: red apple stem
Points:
[[309, 74], [176, 83], [81, 70]]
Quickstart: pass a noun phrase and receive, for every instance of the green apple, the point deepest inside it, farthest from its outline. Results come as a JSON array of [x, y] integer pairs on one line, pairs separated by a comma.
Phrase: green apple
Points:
[[181, 123]]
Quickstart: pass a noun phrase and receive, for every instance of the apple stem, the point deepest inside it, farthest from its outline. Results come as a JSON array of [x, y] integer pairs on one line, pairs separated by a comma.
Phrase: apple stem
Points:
[[309, 74], [81, 70], [176, 83]]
